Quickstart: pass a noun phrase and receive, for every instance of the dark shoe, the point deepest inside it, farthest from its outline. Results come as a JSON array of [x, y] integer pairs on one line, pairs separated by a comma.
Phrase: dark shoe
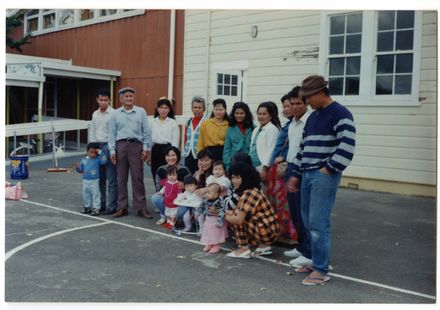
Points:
[[108, 212], [120, 213], [86, 211], [145, 214]]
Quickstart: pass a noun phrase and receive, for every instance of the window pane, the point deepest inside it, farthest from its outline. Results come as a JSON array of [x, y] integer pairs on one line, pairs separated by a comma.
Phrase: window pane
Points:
[[353, 66], [404, 63], [234, 91], [49, 21], [226, 90], [385, 41], [336, 86], [32, 24], [336, 66], [86, 14], [385, 64], [66, 17], [354, 23], [219, 78], [386, 20], [352, 86], [337, 24], [227, 79], [404, 40], [405, 19], [219, 90], [353, 44], [337, 45], [234, 80], [384, 85], [403, 85], [107, 12]]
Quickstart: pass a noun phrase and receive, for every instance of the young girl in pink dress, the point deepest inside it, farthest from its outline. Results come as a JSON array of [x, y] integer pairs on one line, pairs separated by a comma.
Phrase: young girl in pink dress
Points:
[[214, 231], [169, 191]]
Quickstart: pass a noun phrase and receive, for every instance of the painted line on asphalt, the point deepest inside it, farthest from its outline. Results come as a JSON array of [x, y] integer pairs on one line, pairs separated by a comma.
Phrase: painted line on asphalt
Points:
[[278, 262], [112, 222], [27, 244]]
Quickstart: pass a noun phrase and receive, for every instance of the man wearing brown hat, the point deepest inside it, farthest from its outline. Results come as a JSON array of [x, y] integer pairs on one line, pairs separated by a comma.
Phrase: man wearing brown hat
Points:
[[129, 143], [326, 149]]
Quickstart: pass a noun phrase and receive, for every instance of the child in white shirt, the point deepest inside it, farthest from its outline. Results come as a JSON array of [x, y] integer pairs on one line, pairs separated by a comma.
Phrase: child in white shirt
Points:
[[219, 176], [188, 200]]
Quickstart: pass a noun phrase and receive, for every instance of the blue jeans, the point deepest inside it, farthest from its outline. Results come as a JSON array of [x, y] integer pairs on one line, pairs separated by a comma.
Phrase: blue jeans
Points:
[[91, 194], [107, 174], [318, 193], [158, 202], [294, 200]]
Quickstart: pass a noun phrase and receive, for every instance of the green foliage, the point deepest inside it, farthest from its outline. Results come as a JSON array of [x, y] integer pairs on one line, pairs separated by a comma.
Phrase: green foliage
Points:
[[13, 22]]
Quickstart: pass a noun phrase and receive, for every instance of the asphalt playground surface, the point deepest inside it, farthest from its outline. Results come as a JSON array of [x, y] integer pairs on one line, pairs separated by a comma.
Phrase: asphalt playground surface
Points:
[[383, 251]]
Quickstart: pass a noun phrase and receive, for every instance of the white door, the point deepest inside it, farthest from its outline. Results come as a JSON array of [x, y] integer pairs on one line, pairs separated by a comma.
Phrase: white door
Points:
[[229, 85]]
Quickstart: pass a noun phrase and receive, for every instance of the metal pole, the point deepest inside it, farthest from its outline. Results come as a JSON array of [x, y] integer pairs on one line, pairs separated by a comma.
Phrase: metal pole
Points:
[[171, 53], [28, 145], [77, 114], [8, 102], [54, 158], [15, 139], [40, 115], [111, 92]]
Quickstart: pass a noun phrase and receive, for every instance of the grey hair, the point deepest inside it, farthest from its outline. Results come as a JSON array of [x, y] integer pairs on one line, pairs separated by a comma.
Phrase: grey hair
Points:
[[198, 99]]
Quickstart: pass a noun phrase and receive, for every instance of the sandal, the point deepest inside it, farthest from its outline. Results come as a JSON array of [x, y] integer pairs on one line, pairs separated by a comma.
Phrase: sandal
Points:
[[262, 251], [246, 254], [304, 269], [315, 281]]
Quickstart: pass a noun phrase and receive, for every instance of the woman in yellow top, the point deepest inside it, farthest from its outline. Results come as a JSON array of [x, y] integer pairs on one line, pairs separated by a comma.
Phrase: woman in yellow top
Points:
[[213, 131]]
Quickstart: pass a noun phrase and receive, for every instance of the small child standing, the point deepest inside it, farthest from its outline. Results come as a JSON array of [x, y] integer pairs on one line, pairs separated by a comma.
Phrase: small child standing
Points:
[[169, 191], [188, 200], [89, 167], [214, 229], [218, 176]]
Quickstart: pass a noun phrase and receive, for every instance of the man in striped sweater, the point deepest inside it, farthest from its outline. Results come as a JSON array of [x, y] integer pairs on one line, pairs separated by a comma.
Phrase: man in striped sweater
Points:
[[326, 149]]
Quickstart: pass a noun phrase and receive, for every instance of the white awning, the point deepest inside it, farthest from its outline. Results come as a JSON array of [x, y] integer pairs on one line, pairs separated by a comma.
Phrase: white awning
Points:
[[28, 71]]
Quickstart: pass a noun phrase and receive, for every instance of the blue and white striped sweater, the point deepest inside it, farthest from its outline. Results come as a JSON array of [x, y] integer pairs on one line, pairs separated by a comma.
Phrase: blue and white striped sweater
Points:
[[329, 139]]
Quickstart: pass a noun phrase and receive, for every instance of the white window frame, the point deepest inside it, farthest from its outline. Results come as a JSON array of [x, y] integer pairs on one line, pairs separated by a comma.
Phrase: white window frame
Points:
[[76, 22], [367, 84]]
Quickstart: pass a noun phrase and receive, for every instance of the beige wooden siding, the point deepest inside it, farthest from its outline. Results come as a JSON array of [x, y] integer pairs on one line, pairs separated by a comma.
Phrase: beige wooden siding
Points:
[[393, 143]]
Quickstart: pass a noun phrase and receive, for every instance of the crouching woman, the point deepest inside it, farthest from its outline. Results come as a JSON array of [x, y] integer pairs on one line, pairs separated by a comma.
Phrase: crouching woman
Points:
[[254, 222]]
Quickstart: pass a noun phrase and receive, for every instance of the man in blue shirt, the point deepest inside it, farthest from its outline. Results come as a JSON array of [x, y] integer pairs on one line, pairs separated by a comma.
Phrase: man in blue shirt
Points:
[[326, 149], [129, 142]]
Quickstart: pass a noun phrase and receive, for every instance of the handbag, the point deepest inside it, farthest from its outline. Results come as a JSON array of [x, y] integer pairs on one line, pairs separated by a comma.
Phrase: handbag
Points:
[[282, 166]]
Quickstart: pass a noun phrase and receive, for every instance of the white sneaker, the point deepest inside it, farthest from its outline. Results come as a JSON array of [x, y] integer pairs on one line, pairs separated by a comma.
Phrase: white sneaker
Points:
[[301, 261], [293, 253], [161, 221]]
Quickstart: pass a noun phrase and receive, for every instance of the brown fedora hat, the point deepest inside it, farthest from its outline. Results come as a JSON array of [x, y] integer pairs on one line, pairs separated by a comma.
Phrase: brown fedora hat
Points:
[[312, 84]]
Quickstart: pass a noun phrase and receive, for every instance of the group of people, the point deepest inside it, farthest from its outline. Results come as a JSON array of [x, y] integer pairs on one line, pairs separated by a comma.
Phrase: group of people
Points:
[[257, 182]]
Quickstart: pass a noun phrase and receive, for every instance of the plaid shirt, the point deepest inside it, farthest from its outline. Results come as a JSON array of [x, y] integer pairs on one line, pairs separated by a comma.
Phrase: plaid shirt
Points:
[[261, 223]]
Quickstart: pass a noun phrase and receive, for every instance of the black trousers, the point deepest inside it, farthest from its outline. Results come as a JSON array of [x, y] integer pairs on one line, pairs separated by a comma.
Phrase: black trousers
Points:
[[191, 163], [158, 158]]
